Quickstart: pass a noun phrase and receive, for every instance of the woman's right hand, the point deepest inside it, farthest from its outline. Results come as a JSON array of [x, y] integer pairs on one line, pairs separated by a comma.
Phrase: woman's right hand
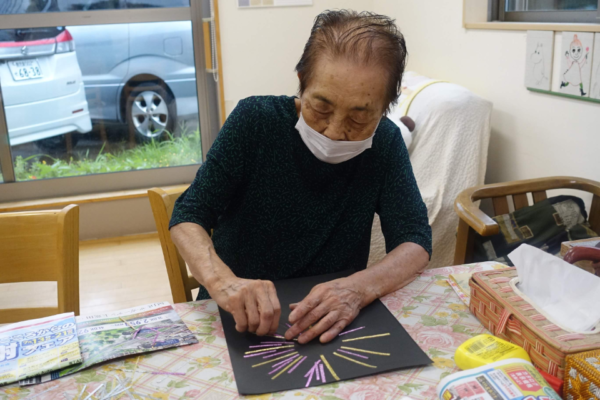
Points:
[[253, 304]]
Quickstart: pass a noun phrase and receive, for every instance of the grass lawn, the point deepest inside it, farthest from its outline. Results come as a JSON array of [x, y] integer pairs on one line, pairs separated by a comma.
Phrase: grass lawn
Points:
[[182, 150]]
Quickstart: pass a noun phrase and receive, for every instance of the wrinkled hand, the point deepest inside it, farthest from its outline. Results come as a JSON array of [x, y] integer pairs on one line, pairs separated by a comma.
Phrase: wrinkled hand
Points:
[[253, 304], [328, 308]]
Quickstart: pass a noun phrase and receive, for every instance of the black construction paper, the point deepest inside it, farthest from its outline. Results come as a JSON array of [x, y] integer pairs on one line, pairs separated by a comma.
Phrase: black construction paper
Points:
[[376, 318]]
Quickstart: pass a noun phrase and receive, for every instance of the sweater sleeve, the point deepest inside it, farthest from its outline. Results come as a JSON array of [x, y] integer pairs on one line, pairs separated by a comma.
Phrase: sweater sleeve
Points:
[[401, 209], [222, 173]]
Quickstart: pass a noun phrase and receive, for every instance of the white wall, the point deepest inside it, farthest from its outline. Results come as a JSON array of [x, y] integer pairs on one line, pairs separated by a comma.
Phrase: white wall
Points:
[[533, 135], [261, 46]]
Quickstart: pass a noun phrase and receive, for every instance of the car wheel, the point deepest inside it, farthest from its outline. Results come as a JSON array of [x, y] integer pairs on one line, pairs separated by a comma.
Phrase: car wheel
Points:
[[150, 112], [57, 143]]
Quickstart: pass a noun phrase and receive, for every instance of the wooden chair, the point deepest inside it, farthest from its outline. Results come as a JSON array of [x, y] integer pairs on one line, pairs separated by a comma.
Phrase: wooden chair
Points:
[[472, 220], [38, 246], [182, 283]]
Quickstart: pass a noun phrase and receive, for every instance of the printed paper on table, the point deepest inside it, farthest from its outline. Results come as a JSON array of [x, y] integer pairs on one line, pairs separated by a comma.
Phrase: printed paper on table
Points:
[[38, 346], [105, 337]]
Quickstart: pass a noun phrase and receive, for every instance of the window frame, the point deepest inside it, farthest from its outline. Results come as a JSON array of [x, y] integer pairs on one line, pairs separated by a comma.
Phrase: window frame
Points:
[[10, 190], [496, 12]]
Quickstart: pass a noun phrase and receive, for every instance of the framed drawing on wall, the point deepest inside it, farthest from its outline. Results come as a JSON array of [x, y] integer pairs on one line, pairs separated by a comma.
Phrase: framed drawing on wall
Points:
[[576, 63], [538, 62], [595, 89]]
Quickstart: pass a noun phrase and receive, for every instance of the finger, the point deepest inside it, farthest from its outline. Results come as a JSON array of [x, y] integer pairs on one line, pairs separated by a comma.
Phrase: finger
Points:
[[334, 331], [305, 306], [323, 325], [252, 313], [265, 310], [293, 306], [276, 309], [238, 312], [309, 319]]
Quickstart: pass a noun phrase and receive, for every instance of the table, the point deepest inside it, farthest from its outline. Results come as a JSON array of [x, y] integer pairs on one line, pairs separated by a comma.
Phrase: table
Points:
[[428, 309]]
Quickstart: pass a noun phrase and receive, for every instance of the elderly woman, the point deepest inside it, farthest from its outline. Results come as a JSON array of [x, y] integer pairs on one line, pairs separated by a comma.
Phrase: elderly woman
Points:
[[291, 186]]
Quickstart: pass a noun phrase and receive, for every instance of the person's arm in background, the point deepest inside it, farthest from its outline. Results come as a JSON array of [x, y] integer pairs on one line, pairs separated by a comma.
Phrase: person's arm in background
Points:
[[253, 303], [332, 306]]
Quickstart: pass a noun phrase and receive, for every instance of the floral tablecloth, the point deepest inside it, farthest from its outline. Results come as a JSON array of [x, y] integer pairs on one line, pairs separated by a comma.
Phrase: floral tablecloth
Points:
[[428, 309]]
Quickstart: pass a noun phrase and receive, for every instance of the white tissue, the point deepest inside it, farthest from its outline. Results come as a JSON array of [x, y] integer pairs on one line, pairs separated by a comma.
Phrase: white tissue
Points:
[[567, 295]]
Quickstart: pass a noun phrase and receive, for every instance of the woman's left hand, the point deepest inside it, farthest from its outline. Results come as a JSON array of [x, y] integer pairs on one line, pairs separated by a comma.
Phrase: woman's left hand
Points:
[[327, 310]]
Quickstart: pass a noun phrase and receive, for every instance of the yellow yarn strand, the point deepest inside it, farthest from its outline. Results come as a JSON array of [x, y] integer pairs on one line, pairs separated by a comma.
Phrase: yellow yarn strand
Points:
[[365, 351], [366, 337], [275, 359], [329, 367], [353, 360], [269, 348]]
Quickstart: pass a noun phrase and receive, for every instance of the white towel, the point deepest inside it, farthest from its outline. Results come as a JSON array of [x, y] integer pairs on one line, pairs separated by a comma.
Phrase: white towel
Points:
[[448, 154]]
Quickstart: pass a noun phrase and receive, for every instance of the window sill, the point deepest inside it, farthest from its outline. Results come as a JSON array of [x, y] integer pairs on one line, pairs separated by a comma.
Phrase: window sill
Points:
[[531, 26], [59, 202]]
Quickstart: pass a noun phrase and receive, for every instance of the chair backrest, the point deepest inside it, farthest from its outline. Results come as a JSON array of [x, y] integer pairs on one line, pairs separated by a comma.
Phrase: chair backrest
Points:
[[38, 246], [474, 220], [162, 203]]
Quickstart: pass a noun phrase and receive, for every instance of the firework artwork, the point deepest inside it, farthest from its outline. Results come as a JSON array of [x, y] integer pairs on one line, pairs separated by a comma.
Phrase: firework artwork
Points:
[[374, 343]]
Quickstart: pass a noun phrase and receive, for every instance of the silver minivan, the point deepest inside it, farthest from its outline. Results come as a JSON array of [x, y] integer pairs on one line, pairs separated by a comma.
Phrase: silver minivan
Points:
[[140, 73]]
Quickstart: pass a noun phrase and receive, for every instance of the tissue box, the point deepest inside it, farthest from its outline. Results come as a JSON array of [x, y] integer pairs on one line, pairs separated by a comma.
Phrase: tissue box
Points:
[[509, 317], [582, 376]]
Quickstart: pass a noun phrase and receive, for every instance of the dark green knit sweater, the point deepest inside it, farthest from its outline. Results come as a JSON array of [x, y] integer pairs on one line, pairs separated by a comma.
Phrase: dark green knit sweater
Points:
[[279, 212]]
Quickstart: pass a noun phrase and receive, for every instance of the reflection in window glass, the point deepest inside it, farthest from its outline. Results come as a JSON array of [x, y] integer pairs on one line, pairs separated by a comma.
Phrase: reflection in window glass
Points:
[[551, 5], [34, 6], [103, 98]]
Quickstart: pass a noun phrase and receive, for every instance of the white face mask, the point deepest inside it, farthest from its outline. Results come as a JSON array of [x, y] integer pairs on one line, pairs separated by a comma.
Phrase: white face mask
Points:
[[331, 151]]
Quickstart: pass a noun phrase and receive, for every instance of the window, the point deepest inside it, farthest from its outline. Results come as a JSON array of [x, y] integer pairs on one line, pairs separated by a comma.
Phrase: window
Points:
[[565, 11], [35, 6], [82, 99]]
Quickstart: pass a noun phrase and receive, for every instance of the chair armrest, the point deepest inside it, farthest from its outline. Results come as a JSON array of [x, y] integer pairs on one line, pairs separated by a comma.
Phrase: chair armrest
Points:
[[192, 282], [581, 253], [472, 215]]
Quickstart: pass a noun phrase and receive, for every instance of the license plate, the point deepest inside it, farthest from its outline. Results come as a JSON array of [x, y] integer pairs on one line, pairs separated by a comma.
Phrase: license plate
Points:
[[25, 69]]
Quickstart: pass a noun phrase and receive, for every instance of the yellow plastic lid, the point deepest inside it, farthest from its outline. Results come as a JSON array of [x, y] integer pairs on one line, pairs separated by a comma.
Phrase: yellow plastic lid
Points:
[[486, 349]]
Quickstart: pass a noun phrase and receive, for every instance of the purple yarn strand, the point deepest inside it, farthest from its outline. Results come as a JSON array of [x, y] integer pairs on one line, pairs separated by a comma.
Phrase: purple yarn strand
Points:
[[168, 373], [277, 342], [278, 354], [287, 360], [283, 365], [310, 377], [265, 345], [310, 371], [260, 354], [352, 354], [352, 330], [296, 366], [322, 373]]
